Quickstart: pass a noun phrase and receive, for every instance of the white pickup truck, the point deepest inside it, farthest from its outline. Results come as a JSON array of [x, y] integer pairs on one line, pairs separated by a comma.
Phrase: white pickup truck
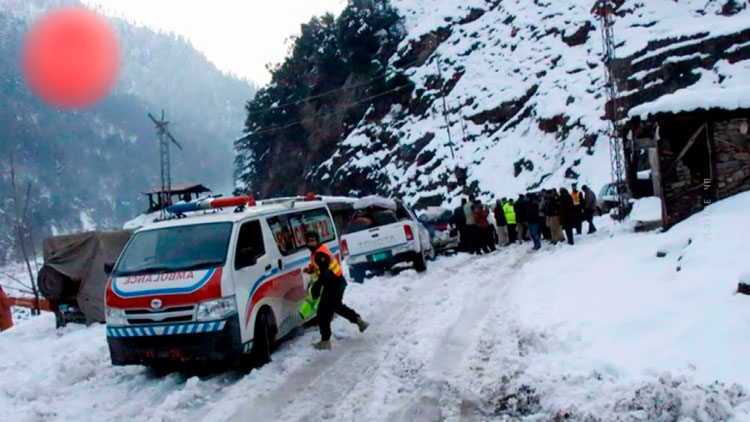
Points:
[[381, 233]]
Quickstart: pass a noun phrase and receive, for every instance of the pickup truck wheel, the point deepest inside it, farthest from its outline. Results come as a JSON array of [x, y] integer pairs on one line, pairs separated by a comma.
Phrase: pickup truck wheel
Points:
[[420, 264], [357, 274], [263, 338]]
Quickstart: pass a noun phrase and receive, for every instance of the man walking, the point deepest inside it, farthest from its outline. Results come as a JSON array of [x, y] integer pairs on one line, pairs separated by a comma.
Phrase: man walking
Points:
[[552, 211], [576, 198], [568, 213], [502, 231], [459, 219], [520, 209], [534, 219], [589, 207], [328, 287], [510, 219], [471, 227]]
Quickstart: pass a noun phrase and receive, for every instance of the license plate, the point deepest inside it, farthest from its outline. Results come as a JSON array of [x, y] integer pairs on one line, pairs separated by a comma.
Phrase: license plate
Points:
[[380, 256]]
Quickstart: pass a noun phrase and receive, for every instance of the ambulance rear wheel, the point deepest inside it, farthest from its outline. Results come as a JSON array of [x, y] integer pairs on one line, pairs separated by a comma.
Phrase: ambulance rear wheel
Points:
[[263, 338]]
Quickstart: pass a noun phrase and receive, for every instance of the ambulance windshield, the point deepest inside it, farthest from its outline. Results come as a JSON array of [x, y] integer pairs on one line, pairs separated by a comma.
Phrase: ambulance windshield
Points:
[[181, 248]]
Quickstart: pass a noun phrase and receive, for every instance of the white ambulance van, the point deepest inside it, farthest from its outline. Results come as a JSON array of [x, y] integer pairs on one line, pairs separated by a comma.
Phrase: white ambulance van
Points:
[[222, 281]]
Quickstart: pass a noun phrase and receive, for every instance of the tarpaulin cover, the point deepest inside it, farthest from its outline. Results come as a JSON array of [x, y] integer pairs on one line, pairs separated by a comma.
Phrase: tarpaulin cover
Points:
[[81, 257]]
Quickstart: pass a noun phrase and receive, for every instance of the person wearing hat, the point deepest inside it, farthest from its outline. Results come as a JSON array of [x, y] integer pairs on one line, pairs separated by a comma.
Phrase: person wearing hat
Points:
[[326, 291]]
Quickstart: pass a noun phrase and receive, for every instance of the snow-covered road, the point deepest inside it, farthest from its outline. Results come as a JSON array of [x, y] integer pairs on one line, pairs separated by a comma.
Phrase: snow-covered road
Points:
[[554, 335]]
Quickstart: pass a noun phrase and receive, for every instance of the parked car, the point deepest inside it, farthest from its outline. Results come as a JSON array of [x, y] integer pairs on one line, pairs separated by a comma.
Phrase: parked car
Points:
[[607, 198], [382, 233], [443, 232]]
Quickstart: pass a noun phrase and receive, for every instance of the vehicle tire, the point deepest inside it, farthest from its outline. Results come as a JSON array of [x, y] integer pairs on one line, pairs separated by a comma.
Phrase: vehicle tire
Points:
[[55, 286], [264, 338], [420, 264], [357, 274]]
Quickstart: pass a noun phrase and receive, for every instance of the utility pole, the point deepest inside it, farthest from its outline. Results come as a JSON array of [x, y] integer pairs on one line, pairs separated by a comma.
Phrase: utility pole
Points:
[[605, 11], [162, 132], [445, 107]]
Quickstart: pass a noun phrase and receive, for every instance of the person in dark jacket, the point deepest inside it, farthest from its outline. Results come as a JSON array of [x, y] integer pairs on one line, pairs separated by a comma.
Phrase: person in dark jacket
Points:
[[329, 287], [589, 207], [577, 197], [534, 220], [502, 230], [459, 220], [520, 210], [543, 197], [554, 222], [569, 214]]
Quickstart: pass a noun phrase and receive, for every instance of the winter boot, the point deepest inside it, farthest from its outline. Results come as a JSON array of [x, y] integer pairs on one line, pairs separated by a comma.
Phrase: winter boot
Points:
[[362, 324], [323, 345]]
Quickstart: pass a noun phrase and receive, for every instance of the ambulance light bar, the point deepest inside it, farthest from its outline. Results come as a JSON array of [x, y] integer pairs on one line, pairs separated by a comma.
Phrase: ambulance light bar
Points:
[[208, 203]]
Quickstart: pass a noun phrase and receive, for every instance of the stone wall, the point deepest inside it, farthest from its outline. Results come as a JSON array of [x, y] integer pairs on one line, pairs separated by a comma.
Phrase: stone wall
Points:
[[731, 156]]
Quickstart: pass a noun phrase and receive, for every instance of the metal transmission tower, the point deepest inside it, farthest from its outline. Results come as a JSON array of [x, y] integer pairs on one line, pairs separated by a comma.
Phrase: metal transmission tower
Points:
[[162, 132], [604, 9]]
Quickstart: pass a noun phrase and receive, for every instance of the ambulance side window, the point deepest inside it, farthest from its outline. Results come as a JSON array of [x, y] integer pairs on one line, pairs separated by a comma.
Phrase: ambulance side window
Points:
[[250, 236], [320, 222], [282, 234]]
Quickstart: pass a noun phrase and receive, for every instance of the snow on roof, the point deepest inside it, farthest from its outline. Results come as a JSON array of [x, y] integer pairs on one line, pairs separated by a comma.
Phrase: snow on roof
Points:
[[376, 201], [229, 215], [688, 99]]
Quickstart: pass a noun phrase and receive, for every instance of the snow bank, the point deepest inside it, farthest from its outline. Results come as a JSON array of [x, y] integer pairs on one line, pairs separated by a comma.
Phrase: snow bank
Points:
[[618, 309], [646, 209]]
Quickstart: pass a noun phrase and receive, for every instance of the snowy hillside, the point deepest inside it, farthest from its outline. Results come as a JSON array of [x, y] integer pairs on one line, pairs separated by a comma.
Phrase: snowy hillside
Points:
[[602, 331], [523, 84], [88, 168]]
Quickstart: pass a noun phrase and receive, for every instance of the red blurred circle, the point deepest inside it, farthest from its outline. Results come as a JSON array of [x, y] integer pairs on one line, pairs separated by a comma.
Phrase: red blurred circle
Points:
[[70, 57]]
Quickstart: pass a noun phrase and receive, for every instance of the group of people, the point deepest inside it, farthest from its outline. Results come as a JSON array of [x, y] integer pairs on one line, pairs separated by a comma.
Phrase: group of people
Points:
[[531, 217]]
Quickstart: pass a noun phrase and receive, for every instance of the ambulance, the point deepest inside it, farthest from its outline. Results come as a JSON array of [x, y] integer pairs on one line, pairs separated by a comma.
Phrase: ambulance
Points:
[[221, 280]]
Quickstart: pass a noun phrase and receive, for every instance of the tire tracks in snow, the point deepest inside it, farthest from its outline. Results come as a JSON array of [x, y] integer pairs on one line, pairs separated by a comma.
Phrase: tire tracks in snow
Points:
[[313, 391], [445, 392]]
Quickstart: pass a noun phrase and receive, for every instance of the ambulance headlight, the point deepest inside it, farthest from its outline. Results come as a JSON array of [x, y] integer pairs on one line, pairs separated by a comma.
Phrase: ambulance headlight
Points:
[[115, 316], [216, 309]]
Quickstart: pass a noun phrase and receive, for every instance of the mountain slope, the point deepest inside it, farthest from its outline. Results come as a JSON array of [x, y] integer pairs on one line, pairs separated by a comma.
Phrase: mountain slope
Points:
[[87, 168], [523, 85]]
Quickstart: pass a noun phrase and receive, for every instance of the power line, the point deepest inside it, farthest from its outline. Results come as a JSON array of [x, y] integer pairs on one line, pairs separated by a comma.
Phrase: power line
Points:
[[324, 94], [321, 116]]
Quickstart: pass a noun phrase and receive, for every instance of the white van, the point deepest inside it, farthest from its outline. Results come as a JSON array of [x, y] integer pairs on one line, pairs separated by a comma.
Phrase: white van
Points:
[[218, 284], [382, 233]]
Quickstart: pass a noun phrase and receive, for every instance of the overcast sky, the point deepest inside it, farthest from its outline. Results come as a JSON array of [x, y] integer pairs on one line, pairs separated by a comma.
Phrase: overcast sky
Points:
[[239, 36]]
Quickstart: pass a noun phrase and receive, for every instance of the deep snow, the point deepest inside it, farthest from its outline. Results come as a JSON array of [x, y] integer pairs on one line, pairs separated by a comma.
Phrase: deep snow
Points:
[[600, 331]]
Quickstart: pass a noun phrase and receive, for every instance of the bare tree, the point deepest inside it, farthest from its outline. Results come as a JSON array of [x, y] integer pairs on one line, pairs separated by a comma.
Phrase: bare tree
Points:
[[17, 221]]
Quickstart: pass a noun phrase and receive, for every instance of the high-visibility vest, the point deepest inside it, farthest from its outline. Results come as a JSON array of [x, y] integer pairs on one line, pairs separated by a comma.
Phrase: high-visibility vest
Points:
[[576, 198], [310, 304], [510, 214]]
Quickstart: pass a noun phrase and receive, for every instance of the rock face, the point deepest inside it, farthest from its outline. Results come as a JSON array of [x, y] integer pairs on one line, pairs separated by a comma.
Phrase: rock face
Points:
[[507, 96]]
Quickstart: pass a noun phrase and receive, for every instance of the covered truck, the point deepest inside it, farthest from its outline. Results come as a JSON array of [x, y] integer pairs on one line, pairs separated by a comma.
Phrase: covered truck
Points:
[[73, 276]]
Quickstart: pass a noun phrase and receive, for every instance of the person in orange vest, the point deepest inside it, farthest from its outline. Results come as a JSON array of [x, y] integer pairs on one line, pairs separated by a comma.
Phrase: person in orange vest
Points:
[[577, 198], [328, 285]]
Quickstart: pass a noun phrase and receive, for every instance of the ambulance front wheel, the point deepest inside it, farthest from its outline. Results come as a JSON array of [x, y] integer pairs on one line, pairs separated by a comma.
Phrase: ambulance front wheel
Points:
[[263, 338]]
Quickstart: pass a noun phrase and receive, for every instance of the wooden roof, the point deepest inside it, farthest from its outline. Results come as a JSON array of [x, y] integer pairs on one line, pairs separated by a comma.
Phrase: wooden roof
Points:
[[180, 188]]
